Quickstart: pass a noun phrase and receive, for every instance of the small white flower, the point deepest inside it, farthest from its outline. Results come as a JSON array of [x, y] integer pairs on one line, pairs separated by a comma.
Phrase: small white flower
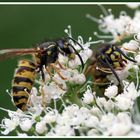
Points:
[[91, 122], [63, 119], [88, 97], [119, 129], [96, 111], [26, 124], [136, 67], [123, 103], [121, 126], [107, 120], [88, 52], [80, 79], [50, 117], [130, 90], [122, 74], [64, 130], [5, 132], [111, 91], [124, 117], [8, 125], [137, 36], [109, 105], [59, 81], [101, 101], [34, 91], [70, 110], [74, 63], [36, 109], [131, 46], [137, 58], [73, 76], [52, 91], [40, 127]]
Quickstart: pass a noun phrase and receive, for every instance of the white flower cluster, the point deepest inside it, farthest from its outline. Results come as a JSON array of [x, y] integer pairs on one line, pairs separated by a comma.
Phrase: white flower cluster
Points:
[[70, 106], [105, 117], [57, 87], [120, 27]]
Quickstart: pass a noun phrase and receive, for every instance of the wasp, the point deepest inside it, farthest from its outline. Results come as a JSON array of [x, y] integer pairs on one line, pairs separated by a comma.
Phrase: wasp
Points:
[[107, 58], [45, 55]]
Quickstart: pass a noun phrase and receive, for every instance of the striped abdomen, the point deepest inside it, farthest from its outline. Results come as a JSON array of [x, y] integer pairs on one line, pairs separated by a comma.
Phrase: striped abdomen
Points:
[[22, 83]]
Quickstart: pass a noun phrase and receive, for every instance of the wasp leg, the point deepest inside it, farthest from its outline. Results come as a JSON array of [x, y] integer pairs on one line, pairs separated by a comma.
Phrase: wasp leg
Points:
[[50, 74], [57, 71], [88, 69], [42, 91], [61, 66], [29, 98], [43, 76]]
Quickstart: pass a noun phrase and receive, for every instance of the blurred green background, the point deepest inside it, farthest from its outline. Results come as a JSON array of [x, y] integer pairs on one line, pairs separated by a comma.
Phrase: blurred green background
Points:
[[21, 26]]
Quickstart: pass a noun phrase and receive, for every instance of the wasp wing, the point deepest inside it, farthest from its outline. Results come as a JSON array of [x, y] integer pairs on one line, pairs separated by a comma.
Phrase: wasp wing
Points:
[[7, 53]]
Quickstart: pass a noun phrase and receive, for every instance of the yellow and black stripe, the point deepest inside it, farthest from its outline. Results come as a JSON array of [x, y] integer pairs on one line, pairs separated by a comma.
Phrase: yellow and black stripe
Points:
[[22, 83]]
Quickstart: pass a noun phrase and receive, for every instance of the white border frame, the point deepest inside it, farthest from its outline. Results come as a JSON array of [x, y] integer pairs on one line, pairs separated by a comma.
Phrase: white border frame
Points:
[[68, 3]]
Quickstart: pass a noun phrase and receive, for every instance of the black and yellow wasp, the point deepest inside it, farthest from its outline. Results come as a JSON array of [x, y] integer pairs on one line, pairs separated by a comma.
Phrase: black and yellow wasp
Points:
[[45, 55], [106, 59]]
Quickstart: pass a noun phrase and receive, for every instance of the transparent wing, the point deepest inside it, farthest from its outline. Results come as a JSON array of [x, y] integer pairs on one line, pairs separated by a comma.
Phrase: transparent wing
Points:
[[7, 53]]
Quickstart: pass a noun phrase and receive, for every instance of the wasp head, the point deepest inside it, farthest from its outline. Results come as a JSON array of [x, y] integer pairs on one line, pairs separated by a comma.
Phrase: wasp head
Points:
[[67, 49], [110, 56]]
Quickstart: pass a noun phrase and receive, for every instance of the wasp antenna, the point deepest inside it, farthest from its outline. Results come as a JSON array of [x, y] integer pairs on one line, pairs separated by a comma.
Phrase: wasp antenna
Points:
[[76, 42], [127, 57], [78, 56], [107, 62]]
